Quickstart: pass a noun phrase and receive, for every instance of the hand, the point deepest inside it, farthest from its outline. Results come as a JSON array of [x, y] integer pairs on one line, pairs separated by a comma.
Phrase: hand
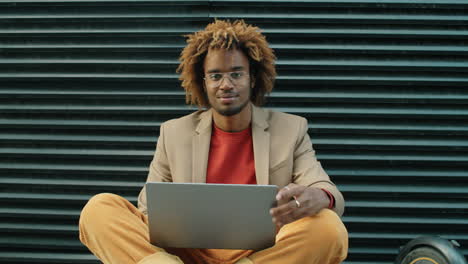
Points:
[[310, 201]]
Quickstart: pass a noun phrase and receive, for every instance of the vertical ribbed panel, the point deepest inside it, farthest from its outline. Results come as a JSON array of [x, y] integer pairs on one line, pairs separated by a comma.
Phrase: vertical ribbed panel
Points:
[[84, 86]]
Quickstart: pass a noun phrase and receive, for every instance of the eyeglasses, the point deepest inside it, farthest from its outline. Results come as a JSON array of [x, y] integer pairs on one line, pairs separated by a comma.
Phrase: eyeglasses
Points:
[[215, 79]]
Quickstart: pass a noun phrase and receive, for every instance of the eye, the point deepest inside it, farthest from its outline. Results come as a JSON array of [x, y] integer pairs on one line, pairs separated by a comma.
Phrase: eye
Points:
[[236, 75], [215, 76]]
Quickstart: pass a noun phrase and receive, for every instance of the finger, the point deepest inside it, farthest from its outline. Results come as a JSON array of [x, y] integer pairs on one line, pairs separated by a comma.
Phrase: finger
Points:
[[281, 197], [289, 191], [295, 214], [291, 217], [286, 219], [284, 209], [284, 192], [282, 220], [281, 202], [298, 214], [292, 205]]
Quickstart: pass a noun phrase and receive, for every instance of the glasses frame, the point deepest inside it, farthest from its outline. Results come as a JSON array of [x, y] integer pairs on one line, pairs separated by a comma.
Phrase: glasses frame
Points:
[[213, 83]]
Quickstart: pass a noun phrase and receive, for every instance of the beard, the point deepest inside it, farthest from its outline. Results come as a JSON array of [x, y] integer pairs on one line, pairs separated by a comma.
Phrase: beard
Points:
[[231, 111]]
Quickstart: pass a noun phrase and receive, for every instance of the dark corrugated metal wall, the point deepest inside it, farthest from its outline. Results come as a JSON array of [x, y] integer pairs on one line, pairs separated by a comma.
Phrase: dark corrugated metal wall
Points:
[[84, 86]]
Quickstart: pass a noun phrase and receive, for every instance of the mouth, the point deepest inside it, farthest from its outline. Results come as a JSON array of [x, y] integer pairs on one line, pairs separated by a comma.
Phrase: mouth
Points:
[[227, 95], [227, 98]]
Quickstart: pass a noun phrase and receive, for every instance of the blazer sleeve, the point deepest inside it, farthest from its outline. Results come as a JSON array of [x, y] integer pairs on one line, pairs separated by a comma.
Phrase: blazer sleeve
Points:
[[307, 171], [159, 170]]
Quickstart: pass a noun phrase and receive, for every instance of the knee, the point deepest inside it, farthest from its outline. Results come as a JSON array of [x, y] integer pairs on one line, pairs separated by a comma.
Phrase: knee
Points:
[[324, 230], [330, 230], [330, 226], [94, 207], [96, 213], [323, 235]]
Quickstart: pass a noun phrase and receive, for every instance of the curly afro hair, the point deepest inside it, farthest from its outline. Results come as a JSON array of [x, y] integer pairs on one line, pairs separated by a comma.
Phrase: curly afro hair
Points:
[[227, 35]]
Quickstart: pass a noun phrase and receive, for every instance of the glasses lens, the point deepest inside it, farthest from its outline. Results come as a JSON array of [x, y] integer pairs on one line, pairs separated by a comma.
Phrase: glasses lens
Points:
[[216, 78], [236, 75]]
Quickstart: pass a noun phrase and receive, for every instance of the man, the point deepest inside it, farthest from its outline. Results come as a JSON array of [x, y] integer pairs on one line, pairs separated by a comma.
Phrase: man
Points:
[[227, 69]]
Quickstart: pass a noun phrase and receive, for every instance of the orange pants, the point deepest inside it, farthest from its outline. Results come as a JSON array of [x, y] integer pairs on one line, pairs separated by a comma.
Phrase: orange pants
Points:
[[117, 233]]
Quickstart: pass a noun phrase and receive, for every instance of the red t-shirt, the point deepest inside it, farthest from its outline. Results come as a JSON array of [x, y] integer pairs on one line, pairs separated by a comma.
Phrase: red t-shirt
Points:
[[231, 158]]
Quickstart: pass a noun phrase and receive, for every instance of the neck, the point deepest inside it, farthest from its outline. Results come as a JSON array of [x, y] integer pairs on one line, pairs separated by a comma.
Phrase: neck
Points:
[[236, 122]]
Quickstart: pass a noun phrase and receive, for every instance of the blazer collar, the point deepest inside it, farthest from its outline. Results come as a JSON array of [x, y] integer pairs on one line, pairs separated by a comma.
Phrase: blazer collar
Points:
[[201, 147], [259, 117], [206, 119]]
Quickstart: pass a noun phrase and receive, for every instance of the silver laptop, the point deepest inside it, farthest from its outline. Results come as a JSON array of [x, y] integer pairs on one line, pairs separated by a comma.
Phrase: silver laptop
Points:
[[199, 215]]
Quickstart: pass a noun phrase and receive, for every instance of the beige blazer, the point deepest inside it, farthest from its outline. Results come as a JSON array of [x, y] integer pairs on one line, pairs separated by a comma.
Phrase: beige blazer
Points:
[[283, 152]]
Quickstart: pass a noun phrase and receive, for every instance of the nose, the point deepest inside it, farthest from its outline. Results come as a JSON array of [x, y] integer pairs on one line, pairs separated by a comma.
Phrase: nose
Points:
[[226, 83]]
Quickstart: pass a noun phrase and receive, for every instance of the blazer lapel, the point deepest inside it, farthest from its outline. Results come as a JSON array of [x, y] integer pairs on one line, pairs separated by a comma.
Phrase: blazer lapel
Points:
[[201, 147], [261, 145]]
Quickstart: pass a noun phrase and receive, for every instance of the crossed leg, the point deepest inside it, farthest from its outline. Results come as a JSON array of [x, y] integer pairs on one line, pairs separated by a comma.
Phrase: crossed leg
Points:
[[117, 232]]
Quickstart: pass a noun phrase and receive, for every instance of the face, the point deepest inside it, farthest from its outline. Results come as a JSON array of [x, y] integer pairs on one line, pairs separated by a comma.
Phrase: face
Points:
[[227, 80]]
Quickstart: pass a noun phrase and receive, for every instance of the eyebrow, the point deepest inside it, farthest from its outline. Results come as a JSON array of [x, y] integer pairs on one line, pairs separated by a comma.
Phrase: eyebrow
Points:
[[235, 68]]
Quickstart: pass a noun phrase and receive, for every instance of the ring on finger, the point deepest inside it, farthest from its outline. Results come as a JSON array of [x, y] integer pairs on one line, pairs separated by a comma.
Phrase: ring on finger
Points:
[[298, 204]]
